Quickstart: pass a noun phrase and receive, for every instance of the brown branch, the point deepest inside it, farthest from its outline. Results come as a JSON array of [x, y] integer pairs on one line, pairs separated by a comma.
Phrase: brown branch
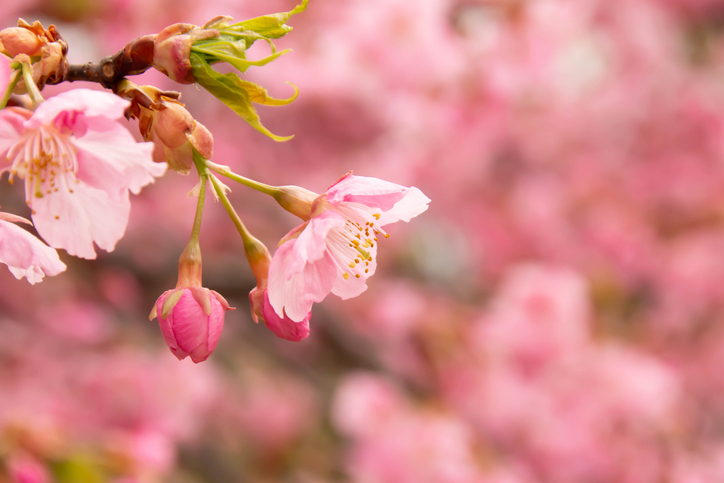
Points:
[[135, 58]]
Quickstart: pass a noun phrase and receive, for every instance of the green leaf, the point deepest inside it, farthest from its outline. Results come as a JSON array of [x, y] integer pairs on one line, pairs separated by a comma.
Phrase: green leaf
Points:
[[232, 53], [272, 26], [237, 94]]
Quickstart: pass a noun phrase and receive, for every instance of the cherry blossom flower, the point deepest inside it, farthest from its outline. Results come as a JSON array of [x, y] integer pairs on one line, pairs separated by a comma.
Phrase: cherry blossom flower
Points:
[[24, 254], [335, 249], [78, 164]]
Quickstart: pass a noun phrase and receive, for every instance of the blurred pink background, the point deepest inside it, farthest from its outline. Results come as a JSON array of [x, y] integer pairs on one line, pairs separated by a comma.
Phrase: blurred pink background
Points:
[[556, 316]]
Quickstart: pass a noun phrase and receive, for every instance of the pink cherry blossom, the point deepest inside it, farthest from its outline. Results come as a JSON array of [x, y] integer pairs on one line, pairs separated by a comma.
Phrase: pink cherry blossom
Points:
[[24, 254], [193, 323], [336, 249], [78, 164]]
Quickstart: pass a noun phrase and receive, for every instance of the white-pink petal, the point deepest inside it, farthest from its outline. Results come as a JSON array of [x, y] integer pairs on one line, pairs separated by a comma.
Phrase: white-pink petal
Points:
[[11, 126], [73, 221], [411, 205], [310, 245], [25, 255], [5, 74], [107, 142], [82, 101], [294, 291], [372, 192]]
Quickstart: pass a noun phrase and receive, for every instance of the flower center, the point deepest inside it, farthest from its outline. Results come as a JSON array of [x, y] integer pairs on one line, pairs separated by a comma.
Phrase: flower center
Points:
[[42, 159], [354, 244]]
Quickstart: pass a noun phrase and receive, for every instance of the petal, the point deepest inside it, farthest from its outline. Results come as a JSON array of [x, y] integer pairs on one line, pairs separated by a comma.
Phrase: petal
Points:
[[284, 327], [347, 288], [4, 74], [311, 243], [413, 204], [165, 325], [74, 220], [11, 127], [371, 192], [110, 144], [91, 103], [25, 255], [294, 293], [189, 323], [214, 327]]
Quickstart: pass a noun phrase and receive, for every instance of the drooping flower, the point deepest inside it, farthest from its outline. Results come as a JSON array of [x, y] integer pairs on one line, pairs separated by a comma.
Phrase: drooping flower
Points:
[[24, 254], [79, 165], [282, 326], [335, 249]]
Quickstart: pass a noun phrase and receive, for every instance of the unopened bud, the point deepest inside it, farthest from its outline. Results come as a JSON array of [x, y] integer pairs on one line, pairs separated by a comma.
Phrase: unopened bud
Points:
[[191, 320], [172, 50], [283, 327], [296, 200], [19, 40], [166, 122], [28, 42]]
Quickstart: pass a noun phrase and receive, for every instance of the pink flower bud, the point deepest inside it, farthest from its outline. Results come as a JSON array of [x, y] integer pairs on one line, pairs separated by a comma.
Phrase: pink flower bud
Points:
[[172, 50], [191, 319], [283, 327]]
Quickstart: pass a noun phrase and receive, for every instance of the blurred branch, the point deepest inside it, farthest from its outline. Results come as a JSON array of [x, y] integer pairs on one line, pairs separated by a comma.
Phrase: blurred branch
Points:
[[135, 58]]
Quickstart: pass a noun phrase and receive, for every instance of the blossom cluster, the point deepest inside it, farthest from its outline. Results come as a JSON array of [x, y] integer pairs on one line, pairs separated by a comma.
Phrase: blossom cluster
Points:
[[555, 316], [79, 165]]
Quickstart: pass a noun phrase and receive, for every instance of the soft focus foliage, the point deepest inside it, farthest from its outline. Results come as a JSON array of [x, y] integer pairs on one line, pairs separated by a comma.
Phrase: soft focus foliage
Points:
[[556, 316]]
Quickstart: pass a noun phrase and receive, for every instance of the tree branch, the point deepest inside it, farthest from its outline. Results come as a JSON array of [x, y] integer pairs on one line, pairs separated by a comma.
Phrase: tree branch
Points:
[[135, 58]]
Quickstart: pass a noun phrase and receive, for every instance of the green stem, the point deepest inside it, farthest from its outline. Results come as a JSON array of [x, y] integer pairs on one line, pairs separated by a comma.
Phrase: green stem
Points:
[[225, 171], [11, 86], [30, 86], [245, 235], [203, 176]]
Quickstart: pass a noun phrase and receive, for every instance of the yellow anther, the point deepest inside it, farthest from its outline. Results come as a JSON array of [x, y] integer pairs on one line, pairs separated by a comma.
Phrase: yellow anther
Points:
[[346, 276]]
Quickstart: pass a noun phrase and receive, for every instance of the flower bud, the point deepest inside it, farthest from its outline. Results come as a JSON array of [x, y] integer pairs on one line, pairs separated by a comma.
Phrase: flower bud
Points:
[[31, 42], [191, 319], [296, 200], [283, 327], [166, 122], [191, 316], [172, 50], [19, 40]]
